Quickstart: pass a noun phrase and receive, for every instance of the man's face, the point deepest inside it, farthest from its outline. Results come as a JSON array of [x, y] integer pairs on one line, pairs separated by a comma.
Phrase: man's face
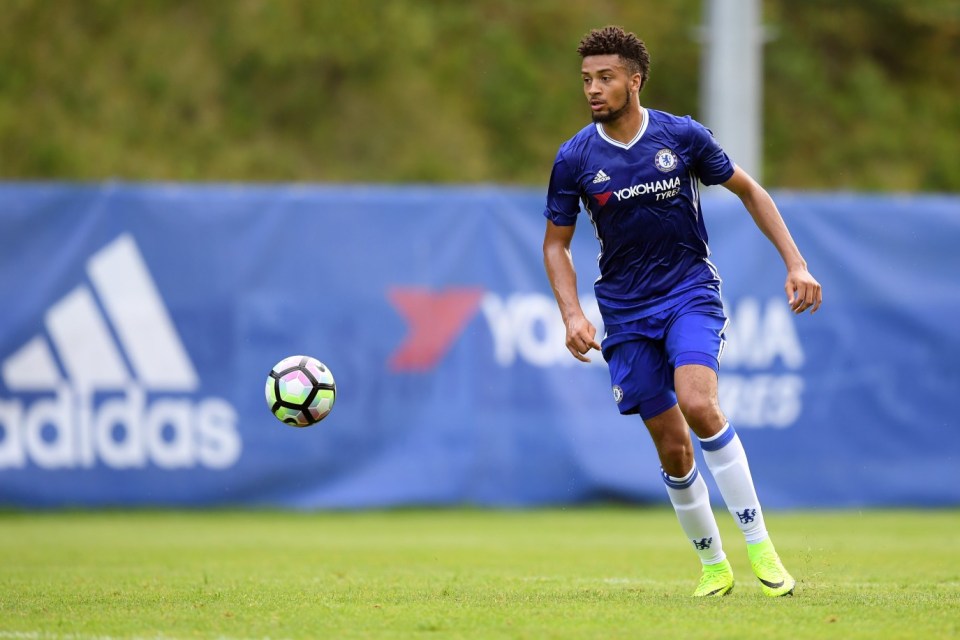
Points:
[[609, 86]]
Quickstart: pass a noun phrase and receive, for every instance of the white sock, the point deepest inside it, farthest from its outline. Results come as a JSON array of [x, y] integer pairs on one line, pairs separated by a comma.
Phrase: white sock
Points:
[[691, 501], [727, 462]]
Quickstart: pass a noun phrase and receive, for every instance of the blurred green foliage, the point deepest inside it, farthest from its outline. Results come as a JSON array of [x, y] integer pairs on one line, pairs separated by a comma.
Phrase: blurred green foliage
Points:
[[858, 95]]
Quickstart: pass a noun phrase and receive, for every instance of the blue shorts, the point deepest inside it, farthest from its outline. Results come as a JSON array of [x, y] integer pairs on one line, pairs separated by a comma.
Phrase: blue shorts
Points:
[[643, 354]]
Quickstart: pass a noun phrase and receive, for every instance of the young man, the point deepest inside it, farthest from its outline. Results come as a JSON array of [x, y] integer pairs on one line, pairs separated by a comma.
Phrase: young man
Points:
[[636, 172]]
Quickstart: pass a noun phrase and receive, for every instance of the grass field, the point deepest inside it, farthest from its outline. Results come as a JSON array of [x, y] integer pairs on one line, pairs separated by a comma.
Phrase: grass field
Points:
[[581, 573]]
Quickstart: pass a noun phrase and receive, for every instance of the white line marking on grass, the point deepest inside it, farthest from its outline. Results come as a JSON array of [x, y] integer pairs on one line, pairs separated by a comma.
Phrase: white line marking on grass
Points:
[[44, 635], [645, 581]]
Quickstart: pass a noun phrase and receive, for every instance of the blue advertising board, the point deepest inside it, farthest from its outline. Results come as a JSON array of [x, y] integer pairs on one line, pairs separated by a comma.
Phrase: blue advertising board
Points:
[[139, 323]]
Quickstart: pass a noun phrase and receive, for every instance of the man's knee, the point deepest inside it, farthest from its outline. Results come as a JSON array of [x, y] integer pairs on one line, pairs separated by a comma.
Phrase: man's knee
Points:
[[697, 397], [676, 456], [671, 436], [701, 411]]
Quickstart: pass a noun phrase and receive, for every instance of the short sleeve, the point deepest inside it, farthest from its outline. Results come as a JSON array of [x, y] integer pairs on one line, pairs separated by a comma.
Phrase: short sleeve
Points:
[[711, 163], [563, 194]]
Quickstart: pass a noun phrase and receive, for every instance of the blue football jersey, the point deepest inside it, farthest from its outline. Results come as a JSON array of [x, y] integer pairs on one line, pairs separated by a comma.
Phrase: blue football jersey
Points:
[[643, 200]]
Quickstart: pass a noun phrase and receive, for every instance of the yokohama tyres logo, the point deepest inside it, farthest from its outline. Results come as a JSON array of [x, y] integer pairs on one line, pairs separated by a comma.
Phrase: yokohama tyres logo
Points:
[[760, 381], [435, 320], [524, 327]]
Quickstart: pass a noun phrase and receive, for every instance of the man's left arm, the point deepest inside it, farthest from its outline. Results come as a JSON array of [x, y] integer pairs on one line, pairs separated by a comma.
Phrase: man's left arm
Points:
[[803, 291]]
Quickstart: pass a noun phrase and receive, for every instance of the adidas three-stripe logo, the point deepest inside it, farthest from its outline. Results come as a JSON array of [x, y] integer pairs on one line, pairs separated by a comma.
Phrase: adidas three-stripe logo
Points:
[[85, 384], [600, 177], [83, 341]]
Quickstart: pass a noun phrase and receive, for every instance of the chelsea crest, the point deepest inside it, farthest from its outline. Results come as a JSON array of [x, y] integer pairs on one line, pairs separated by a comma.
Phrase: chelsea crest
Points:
[[617, 393], [665, 160]]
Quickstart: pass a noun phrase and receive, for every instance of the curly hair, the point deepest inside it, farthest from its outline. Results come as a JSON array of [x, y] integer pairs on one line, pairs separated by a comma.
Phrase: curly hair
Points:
[[614, 40]]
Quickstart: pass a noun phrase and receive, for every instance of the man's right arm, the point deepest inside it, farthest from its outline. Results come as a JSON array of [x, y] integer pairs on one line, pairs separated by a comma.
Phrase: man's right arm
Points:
[[558, 261]]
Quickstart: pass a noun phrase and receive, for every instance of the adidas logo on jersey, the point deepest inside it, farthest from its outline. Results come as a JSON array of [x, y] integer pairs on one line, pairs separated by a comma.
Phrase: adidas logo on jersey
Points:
[[98, 412], [600, 177]]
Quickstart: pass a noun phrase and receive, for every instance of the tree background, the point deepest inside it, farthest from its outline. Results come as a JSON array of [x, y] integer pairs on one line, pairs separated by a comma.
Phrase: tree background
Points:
[[858, 95]]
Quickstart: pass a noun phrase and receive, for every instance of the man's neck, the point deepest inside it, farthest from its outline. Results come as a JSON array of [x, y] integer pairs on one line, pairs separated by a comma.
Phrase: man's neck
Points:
[[625, 128]]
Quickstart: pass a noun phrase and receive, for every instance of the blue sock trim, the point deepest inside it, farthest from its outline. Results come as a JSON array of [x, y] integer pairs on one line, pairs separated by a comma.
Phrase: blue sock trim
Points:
[[720, 440], [672, 482]]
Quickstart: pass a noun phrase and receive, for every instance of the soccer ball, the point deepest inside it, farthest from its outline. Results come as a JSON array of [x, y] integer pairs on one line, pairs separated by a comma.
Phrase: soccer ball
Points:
[[300, 391]]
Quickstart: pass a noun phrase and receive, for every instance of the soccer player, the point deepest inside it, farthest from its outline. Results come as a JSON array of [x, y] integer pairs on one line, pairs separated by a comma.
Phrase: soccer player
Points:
[[636, 172]]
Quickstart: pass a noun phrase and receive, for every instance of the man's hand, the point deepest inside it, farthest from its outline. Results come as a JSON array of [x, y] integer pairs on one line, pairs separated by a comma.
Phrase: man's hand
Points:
[[803, 291], [581, 337]]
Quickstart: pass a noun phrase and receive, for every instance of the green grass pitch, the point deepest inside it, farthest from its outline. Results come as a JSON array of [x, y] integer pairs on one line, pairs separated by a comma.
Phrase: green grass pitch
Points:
[[605, 573]]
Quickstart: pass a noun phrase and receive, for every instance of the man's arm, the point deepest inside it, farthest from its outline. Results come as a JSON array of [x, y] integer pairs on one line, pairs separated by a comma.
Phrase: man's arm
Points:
[[558, 261], [803, 291]]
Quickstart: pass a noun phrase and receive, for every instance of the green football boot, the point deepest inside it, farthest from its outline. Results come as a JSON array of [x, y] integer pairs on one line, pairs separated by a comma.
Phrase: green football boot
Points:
[[774, 579], [716, 580]]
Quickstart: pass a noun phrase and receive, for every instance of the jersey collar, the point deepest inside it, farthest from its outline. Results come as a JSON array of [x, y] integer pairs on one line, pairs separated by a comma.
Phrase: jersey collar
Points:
[[636, 138]]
